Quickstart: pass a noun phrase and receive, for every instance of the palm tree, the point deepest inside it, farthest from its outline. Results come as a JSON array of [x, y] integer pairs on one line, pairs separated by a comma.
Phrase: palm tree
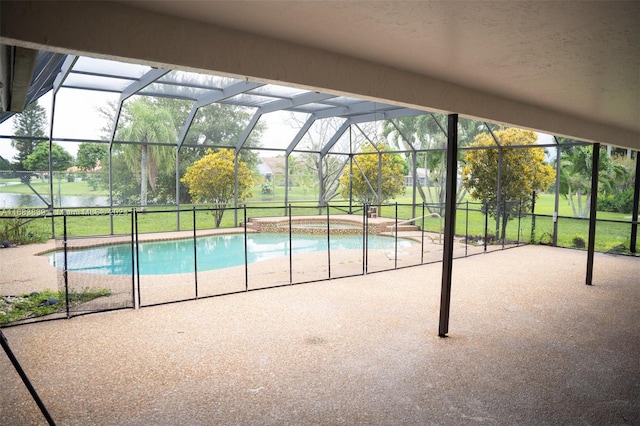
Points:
[[148, 124], [575, 177], [426, 133]]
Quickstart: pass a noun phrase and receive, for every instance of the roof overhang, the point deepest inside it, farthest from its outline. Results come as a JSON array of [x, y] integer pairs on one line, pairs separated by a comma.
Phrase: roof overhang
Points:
[[566, 68], [16, 65]]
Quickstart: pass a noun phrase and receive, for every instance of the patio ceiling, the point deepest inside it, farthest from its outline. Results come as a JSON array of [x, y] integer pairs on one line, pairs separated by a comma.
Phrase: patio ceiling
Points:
[[566, 68]]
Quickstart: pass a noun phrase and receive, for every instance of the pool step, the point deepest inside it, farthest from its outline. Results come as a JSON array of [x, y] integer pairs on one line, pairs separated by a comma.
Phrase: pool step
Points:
[[403, 228], [389, 228]]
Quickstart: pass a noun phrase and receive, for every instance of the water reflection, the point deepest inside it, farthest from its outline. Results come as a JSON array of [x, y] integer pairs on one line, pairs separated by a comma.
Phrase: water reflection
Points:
[[8, 200]]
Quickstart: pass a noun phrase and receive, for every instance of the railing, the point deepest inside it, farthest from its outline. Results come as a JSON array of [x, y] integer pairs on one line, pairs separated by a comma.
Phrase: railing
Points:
[[404, 222], [80, 290]]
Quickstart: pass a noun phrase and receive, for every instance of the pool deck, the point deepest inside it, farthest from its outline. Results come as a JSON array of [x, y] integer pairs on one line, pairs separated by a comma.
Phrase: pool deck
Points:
[[529, 343], [353, 223], [22, 269]]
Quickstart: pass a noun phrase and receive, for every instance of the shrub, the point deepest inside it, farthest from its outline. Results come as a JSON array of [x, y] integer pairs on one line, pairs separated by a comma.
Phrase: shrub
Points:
[[620, 248], [578, 241], [266, 189], [619, 203], [546, 239], [22, 231], [36, 304], [606, 203]]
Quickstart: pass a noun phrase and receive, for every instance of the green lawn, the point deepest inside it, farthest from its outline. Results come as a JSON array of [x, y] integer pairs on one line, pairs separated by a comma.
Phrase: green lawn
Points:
[[609, 236]]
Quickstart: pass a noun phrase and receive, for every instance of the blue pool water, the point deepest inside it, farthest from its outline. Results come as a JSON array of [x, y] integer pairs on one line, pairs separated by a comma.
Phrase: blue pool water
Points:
[[213, 252]]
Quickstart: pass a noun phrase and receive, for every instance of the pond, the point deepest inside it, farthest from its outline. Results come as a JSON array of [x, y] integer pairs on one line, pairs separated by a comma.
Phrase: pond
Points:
[[9, 200]]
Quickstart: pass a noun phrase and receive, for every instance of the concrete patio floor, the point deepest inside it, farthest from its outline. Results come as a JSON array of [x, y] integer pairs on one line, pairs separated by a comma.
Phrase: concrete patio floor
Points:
[[529, 343]]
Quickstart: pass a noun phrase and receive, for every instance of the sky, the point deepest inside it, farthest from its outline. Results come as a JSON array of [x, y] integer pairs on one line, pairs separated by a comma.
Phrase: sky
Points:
[[77, 116]]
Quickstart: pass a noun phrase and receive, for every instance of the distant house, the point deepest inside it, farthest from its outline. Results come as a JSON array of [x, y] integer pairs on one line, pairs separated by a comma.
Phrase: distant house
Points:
[[421, 175], [269, 166]]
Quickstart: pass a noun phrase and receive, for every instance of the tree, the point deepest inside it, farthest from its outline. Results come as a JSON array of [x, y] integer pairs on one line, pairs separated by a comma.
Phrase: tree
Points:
[[299, 175], [38, 160], [618, 197], [363, 185], [427, 135], [215, 125], [211, 179], [91, 155], [125, 187], [145, 123], [523, 171], [220, 125], [575, 177], [327, 169], [31, 123]]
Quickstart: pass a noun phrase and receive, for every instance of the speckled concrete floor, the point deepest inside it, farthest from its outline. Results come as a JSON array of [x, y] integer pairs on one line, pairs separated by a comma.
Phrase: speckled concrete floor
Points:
[[529, 344]]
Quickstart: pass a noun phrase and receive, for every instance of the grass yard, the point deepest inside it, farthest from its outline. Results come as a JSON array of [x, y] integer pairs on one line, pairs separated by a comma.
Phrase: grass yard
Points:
[[572, 232]]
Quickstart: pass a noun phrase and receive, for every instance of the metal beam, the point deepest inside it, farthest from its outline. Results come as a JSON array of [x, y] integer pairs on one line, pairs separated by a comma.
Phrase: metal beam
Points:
[[336, 176], [388, 115], [403, 112], [373, 190], [149, 77], [449, 223], [376, 116], [187, 125], [320, 184], [498, 195], [247, 131], [595, 165], [303, 131], [499, 181], [334, 139], [380, 184], [283, 104], [636, 200], [366, 136], [367, 107], [556, 209], [435, 120], [227, 92], [360, 107], [25, 379], [414, 165], [115, 124], [495, 139], [65, 70], [403, 136], [278, 106]]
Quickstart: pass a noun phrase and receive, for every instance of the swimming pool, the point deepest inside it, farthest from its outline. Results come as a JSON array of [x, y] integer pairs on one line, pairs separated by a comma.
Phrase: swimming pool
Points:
[[213, 252]]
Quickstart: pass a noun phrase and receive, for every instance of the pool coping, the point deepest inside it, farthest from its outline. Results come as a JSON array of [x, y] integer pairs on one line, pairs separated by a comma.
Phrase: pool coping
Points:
[[377, 226], [106, 240]]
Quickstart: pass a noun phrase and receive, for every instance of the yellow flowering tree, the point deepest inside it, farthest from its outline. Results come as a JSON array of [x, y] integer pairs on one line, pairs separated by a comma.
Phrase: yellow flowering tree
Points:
[[364, 184], [211, 179], [523, 171]]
